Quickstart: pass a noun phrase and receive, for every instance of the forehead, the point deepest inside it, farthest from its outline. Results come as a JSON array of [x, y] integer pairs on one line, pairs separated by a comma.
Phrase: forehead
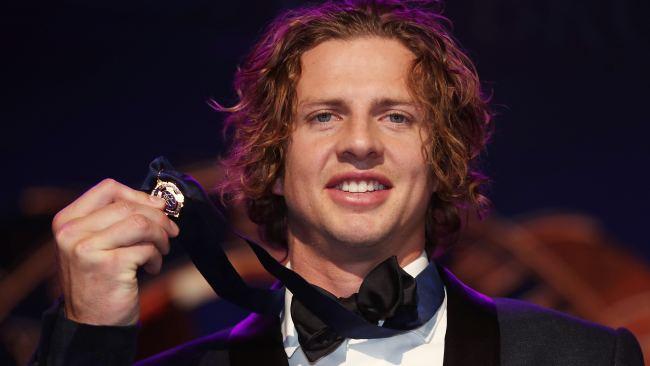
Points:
[[366, 66]]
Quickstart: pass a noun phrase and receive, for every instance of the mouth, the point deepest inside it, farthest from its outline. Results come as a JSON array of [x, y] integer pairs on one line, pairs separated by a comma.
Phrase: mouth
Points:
[[359, 189], [359, 182], [362, 186]]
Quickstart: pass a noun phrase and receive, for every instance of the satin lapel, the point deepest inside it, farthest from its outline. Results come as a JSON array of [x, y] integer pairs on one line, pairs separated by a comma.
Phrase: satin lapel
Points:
[[472, 336], [257, 340]]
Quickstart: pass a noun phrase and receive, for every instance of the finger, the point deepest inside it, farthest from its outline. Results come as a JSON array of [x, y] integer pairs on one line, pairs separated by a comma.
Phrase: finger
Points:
[[117, 211], [102, 194], [144, 255], [129, 231]]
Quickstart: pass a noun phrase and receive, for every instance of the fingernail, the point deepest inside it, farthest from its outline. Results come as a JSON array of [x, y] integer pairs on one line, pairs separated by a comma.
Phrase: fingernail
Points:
[[157, 200], [175, 227]]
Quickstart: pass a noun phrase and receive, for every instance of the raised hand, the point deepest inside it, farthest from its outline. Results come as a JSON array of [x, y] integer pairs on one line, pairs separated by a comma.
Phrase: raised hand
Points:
[[102, 238]]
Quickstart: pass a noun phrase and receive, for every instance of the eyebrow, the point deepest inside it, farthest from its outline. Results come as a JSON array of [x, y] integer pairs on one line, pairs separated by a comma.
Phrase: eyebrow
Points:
[[389, 102], [341, 104], [334, 103]]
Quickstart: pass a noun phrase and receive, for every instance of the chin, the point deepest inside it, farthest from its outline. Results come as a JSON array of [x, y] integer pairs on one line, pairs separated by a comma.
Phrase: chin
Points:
[[358, 236], [356, 241]]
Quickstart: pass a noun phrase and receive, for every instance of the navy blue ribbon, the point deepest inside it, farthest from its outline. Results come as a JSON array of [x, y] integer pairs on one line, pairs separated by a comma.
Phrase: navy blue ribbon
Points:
[[200, 237]]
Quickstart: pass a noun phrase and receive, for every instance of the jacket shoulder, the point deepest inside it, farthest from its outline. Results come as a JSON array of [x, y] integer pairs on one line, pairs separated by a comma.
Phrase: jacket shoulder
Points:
[[208, 350], [533, 335], [255, 338]]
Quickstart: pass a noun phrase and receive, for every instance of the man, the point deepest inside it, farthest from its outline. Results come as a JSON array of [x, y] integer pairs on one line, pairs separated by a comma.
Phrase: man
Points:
[[355, 140]]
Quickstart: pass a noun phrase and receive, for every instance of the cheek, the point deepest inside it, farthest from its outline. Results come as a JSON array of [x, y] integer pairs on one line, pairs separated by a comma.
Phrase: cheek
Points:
[[303, 166], [412, 164], [422, 187]]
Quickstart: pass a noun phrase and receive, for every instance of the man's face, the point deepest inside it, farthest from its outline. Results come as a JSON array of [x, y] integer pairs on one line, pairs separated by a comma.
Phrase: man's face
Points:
[[354, 171]]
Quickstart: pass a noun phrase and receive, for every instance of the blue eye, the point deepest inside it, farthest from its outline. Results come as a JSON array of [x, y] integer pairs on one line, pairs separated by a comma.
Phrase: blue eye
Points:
[[397, 118], [324, 117]]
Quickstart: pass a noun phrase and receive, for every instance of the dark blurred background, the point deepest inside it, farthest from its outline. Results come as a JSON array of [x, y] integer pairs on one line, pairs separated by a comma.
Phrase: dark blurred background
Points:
[[98, 89]]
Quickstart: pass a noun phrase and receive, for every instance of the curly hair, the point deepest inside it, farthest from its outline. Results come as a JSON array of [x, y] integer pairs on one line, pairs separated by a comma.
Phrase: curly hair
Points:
[[443, 80]]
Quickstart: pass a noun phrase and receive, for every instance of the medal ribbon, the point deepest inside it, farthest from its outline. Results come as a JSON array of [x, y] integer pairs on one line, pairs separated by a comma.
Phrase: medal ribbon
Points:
[[199, 221]]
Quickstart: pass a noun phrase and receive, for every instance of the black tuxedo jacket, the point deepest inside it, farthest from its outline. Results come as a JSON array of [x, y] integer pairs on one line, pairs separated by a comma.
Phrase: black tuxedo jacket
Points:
[[480, 331]]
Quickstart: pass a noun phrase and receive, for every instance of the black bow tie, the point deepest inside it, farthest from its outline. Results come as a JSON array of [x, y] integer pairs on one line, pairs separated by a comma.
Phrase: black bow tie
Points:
[[387, 293]]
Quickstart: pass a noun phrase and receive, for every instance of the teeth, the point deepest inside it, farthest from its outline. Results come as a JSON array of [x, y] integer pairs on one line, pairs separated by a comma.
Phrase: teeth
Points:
[[363, 186], [360, 186]]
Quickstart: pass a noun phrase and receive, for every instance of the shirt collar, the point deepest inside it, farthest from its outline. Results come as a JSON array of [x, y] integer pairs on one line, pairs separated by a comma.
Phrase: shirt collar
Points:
[[425, 332]]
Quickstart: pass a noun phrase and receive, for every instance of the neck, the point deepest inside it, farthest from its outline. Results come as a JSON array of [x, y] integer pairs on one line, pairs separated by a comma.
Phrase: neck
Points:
[[340, 269]]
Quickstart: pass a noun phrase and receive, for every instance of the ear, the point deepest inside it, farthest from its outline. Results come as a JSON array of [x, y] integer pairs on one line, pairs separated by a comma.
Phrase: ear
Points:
[[434, 183], [278, 186]]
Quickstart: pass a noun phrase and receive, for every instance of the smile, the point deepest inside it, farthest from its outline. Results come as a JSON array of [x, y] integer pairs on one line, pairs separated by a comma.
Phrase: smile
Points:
[[360, 186], [359, 190]]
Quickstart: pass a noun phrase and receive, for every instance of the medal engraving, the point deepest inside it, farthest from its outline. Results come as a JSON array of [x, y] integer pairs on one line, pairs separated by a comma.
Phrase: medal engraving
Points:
[[171, 194]]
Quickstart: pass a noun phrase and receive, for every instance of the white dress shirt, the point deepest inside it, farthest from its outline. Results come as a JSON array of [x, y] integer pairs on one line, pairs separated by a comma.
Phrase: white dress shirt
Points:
[[421, 346]]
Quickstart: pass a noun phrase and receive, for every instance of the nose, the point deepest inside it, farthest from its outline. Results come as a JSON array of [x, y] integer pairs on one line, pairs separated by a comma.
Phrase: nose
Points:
[[360, 143]]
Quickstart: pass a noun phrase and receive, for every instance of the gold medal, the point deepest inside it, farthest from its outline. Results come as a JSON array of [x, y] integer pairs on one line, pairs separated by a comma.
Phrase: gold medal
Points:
[[171, 194]]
